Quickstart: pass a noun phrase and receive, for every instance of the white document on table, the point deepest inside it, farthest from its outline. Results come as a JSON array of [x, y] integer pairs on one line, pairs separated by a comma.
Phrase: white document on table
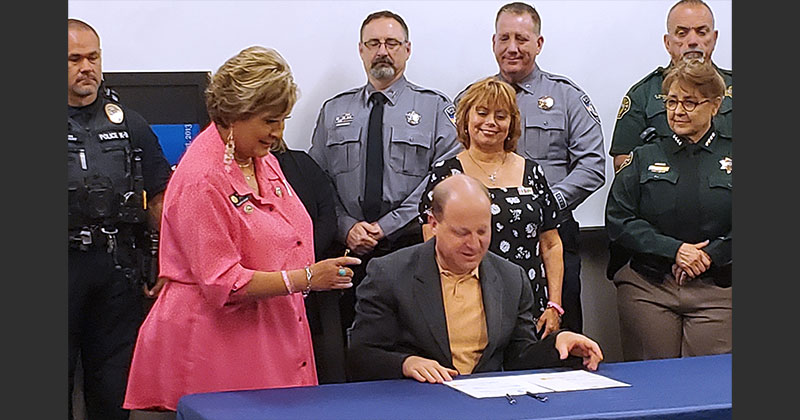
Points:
[[537, 383]]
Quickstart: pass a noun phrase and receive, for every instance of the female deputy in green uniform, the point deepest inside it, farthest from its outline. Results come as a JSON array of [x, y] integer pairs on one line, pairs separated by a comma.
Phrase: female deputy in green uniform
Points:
[[668, 216]]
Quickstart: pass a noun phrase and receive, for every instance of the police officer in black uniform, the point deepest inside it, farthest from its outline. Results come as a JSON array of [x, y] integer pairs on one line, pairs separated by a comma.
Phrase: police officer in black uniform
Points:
[[116, 175], [669, 220]]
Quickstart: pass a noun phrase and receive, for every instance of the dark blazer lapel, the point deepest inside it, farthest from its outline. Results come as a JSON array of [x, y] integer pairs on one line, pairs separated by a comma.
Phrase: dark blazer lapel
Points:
[[428, 296], [492, 290]]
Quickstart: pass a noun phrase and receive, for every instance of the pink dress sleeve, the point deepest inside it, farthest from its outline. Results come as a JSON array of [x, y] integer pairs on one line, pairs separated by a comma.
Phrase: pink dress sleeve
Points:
[[199, 228]]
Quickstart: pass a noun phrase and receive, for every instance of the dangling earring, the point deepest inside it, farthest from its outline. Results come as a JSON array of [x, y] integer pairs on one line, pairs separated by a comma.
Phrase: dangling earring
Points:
[[229, 148]]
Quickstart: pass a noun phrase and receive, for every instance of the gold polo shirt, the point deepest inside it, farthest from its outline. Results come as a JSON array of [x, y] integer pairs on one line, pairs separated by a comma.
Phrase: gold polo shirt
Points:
[[466, 319]]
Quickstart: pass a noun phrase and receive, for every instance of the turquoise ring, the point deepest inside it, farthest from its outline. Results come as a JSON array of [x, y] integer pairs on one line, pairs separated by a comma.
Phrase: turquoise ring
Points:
[[342, 272]]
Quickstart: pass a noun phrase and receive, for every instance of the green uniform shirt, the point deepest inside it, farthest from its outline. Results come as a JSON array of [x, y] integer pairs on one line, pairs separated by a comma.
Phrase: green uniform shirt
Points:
[[670, 191], [643, 106]]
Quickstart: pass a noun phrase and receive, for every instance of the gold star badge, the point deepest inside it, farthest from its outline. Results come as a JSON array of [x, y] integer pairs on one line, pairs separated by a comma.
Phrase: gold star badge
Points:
[[726, 164], [546, 102]]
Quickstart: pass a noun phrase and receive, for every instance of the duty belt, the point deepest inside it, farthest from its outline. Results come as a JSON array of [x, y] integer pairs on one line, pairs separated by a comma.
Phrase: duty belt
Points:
[[93, 237]]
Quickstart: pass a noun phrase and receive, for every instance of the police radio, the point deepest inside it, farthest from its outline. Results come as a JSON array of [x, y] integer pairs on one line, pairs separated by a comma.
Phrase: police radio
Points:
[[133, 205], [150, 270]]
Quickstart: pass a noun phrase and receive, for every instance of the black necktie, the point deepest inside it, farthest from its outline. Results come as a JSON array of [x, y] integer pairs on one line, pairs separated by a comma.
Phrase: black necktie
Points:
[[373, 185]]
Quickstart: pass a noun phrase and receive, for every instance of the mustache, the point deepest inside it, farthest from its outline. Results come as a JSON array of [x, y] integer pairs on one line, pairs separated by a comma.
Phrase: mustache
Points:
[[87, 76], [382, 60], [693, 52]]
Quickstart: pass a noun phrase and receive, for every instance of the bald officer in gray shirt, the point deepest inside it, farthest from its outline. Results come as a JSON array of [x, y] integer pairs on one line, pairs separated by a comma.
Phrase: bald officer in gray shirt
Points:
[[561, 131], [418, 128]]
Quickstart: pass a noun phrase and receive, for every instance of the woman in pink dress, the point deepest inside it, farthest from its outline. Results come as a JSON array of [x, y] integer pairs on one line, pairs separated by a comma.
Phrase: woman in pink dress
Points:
[[237, 250]]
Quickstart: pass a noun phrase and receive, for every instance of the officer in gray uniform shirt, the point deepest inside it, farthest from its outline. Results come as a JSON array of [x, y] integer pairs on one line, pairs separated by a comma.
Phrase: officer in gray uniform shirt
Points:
[[417, 128], [561, 131]]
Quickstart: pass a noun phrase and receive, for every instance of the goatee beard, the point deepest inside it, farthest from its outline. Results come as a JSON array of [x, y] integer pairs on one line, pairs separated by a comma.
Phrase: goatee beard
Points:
[[382, 72]]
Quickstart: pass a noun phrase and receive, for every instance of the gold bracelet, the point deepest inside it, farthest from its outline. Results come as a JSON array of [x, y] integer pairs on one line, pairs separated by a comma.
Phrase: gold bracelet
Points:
[[309, 273]]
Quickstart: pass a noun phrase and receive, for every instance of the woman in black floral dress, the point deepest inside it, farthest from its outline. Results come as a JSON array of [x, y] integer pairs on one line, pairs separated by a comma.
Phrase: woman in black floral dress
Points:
[[524, 212]]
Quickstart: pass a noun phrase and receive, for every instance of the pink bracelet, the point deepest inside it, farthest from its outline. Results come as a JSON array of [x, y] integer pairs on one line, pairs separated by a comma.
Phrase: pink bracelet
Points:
[[286, 281], [557, 307]]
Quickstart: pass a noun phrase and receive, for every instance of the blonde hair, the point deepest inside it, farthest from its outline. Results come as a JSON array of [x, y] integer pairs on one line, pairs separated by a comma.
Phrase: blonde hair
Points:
[[489, 91], [255, 81], [697, 73]]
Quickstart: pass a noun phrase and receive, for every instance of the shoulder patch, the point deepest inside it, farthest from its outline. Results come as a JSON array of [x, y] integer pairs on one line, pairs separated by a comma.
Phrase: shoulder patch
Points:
[[627, 162], [450, 111], [624, 106], [729, 91], [587, 103]]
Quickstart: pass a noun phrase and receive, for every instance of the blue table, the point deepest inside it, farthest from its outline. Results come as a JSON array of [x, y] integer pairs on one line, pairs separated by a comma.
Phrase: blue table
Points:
[[688, 388]]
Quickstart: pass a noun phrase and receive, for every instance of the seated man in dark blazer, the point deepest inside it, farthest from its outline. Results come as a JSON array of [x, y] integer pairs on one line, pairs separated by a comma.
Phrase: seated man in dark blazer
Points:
[[447, 306]]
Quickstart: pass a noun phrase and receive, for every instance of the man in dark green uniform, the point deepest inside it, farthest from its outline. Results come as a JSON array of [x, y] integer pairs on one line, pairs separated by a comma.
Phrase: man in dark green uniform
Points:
[[690, 33]]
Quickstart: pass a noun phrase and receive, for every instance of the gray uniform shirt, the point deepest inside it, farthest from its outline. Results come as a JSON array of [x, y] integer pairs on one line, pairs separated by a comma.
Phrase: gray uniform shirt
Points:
[[563, 135], [418, 129]]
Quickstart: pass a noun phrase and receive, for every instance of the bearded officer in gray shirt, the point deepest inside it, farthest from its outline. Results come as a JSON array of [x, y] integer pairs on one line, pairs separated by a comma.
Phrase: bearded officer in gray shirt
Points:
[[417, 128], [561, 131]]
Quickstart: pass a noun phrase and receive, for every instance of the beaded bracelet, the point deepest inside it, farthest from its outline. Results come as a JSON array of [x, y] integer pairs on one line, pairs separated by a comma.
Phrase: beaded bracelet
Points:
[[286, 282], [308, 279]]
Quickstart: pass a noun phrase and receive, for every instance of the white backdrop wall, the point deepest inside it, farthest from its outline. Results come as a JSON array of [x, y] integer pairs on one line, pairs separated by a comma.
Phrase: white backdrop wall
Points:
[[603, 46]]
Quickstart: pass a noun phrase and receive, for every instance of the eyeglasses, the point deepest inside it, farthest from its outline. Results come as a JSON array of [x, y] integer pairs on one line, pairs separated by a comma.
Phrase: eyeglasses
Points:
[[390, 43], [688, 104]]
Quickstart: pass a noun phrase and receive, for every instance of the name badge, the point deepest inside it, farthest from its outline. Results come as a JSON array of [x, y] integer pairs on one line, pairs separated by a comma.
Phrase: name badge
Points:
[[525, 190], [238, 200], [659, 168]]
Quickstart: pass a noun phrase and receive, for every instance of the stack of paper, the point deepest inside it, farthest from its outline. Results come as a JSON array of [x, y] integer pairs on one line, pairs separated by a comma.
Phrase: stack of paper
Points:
[[537, 383]]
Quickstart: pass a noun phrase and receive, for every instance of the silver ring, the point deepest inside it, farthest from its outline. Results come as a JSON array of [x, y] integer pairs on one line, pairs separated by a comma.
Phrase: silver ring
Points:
[[342, 272]]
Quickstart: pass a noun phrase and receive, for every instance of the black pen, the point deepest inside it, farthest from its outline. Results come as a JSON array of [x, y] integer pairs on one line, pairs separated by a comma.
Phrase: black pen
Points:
[[542, 398], [510, 399]]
